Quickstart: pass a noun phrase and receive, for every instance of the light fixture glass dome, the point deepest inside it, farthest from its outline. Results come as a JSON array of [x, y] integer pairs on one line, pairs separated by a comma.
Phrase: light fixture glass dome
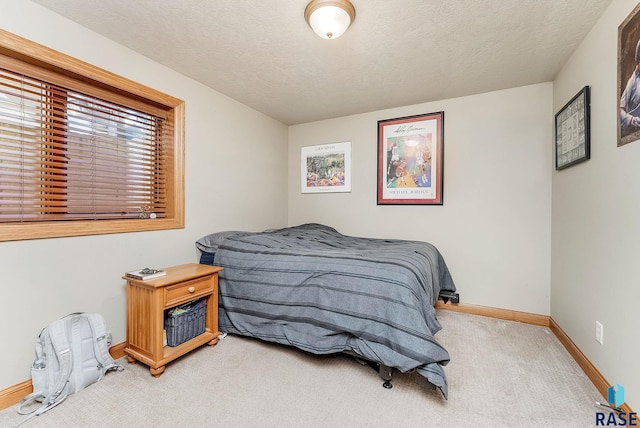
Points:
[[329, 19]]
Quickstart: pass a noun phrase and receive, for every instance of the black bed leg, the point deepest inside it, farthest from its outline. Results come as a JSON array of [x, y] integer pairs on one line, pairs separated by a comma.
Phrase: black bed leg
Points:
[[449, 295], [385, 374]]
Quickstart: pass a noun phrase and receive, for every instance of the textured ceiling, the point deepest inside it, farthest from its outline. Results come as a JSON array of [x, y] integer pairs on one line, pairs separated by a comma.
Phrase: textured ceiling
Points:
[[396, 53]]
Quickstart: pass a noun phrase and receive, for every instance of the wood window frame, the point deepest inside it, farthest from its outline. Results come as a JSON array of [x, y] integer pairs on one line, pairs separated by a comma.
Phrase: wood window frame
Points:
[[114, 88]]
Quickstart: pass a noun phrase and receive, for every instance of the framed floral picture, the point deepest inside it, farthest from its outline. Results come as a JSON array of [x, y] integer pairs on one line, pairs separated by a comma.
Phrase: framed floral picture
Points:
[[411, 160], [326, 168]]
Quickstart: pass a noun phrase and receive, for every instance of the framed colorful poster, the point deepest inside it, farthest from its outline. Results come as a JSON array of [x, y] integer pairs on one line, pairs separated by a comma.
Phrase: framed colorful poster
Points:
[[326, 168], [411, 160]]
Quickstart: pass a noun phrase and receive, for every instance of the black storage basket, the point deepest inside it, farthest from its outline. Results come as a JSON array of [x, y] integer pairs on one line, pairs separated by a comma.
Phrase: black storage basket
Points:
[[186, 325]]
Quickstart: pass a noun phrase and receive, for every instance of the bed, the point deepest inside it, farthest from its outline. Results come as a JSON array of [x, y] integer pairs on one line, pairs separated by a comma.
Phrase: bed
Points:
[[311, 287]]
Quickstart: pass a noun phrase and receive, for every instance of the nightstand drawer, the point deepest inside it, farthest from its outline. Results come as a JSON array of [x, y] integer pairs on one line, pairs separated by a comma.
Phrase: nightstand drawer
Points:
[[186, 291]]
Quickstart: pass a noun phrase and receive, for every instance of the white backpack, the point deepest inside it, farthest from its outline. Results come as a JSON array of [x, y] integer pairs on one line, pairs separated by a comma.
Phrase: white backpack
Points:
[[71, 354]]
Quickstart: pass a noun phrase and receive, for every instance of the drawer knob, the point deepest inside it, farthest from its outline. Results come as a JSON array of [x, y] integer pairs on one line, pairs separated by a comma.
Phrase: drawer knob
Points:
[[192, 289]]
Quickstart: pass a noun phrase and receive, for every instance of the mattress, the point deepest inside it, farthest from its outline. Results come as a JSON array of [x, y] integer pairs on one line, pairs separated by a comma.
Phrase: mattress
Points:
[[311, 287]]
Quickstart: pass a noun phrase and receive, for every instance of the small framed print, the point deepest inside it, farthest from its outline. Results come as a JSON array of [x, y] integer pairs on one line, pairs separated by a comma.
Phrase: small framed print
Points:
[[411, 160], [326, 168], [572, 131]]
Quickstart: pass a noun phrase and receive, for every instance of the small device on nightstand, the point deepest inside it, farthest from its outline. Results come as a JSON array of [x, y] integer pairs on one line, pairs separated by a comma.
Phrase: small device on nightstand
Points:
[[147, 301]]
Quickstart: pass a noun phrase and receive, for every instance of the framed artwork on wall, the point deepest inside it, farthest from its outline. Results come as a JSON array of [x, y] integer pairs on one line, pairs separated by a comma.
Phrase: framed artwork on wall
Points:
[[411, 160], [326, 168], [629, 78], [572, 131]]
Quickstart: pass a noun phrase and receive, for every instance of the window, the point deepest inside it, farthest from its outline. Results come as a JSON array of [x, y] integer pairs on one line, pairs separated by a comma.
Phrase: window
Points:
[[81, 155]]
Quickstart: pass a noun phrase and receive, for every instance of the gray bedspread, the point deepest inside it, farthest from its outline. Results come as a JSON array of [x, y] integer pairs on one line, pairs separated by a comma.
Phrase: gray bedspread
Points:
[[323, 292]]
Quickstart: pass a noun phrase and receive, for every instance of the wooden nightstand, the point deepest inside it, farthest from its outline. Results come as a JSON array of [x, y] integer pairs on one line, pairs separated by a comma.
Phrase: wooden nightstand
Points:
[[147, 301]]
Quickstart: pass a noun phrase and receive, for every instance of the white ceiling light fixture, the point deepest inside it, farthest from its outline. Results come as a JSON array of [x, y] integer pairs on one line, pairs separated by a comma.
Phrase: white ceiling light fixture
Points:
[[329, 19]]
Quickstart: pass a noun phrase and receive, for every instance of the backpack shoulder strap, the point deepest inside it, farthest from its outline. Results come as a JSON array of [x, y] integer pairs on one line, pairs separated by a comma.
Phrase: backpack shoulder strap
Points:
[[100, 343], [59, 339], [58, 336]]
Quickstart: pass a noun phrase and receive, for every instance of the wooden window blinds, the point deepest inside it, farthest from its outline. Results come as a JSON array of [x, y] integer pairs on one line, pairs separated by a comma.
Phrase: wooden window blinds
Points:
[[72, 150]]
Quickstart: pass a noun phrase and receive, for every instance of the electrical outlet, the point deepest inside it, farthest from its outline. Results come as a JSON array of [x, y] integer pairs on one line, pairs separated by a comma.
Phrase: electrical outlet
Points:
[[599, 333]]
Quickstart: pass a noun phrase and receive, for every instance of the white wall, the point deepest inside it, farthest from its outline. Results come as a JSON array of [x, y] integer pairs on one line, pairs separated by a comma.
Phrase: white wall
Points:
[[596, 207], [228, 149], [494, 226]]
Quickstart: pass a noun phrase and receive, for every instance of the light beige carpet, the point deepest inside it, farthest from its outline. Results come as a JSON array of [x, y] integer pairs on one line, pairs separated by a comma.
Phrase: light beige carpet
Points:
[[501, 374]]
